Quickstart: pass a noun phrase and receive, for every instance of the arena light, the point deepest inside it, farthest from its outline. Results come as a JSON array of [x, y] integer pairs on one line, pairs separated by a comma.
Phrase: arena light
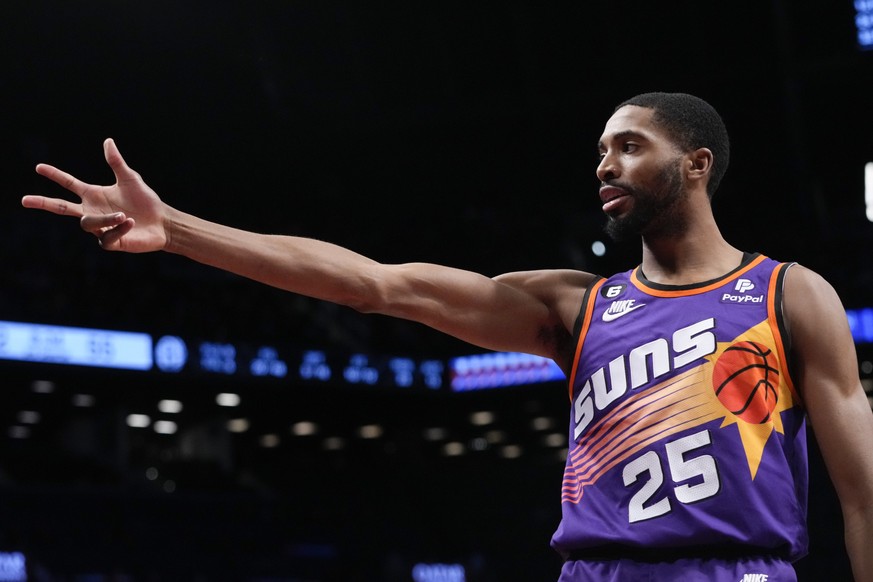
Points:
[[238, 425], [43, 386], [28, 417], [218, 358], [268, 363], [78, 346], [861, 324], [170, 406], [334, 443], [370, 431], [360, 370], [482, 418], [864, 23], [227, 399], [501, 369], [454, 449], [434, 433], [165, 427], [270, 441], [304, 428], [138, 420], [13, 567], [83, 400], [171, 353], [542, 423], [555, 439], [438, 573], [18, 432], [868, 188], [479, 444]]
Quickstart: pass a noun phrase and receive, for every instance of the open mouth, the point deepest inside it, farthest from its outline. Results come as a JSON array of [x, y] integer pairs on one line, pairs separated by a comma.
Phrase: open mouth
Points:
[[612, 197]]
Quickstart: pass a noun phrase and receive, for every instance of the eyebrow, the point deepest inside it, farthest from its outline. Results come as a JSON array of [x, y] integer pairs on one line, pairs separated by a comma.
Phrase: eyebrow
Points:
[[628, 133]]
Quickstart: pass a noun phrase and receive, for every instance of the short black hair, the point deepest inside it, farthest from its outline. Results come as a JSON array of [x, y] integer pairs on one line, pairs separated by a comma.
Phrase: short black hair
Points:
[[691, 123]]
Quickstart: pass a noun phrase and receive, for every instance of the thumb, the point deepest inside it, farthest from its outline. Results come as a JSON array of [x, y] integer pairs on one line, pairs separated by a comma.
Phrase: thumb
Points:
[[115, 161]]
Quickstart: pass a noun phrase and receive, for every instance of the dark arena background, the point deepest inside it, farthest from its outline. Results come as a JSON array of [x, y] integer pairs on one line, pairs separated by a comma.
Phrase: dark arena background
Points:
[[164, 421]]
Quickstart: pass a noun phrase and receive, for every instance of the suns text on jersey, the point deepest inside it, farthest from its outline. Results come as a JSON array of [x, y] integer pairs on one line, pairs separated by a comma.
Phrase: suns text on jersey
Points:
[[641, 365]]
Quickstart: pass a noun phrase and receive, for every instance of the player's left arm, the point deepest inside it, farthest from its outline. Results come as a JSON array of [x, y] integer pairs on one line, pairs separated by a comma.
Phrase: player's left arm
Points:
[[826, 372]]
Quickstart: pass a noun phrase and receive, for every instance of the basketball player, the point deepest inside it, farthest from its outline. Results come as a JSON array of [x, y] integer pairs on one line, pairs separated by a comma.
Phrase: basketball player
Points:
[[691, 377]]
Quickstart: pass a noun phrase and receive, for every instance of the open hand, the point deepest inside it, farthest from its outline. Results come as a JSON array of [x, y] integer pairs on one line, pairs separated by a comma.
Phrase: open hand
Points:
[[127, 216]]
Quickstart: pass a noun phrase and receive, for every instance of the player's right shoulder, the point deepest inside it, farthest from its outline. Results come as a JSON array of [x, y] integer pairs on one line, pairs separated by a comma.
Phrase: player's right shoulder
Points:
[[549, 280], [562, 291]]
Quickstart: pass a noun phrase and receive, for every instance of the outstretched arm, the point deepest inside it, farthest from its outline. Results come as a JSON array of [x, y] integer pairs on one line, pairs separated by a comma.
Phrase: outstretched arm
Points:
[[529, 312], [840, 415]]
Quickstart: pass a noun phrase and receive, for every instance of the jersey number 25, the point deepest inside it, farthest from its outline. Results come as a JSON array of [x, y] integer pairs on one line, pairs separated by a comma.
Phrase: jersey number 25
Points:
[[702, 468]]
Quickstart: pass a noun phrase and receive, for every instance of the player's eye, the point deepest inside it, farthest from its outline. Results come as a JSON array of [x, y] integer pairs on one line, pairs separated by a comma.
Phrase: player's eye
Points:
[[629, 147]]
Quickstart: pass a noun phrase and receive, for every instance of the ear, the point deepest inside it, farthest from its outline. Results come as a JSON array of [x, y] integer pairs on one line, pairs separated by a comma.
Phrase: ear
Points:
[[699, 164]]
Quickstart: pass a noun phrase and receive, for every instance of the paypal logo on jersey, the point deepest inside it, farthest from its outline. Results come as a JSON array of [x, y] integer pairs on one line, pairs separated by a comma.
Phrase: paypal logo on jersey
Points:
[[742, 288], [744, 285]]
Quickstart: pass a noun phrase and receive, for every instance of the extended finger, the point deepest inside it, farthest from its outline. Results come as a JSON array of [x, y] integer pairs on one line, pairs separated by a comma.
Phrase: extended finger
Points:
[[97, 222], [115, 161], [66, 180], [53, 205]]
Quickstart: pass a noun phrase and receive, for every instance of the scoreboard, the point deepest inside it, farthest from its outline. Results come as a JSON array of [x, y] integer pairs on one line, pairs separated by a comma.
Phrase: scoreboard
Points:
[[174, 355]]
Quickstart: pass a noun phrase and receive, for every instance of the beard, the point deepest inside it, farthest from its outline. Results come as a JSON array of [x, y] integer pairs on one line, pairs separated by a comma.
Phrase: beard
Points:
[[656, 210]]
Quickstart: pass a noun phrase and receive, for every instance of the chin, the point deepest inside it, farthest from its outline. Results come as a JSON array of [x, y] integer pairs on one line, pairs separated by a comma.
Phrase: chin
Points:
[[620, 230]]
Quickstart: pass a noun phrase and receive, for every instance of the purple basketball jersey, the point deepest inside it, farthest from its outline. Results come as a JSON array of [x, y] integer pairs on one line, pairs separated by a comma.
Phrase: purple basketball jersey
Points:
[[685, 427]]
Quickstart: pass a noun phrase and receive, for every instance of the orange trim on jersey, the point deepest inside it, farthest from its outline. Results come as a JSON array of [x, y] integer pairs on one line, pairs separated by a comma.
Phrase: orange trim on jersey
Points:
[[640, 284], [773, 320], [583, 331]]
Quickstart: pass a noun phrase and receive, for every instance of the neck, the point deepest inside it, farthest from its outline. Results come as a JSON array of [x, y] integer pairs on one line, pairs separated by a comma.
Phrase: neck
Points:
[[700, 253]]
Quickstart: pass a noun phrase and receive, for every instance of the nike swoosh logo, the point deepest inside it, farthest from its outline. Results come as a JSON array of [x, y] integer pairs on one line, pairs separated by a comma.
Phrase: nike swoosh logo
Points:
[[607, 316]]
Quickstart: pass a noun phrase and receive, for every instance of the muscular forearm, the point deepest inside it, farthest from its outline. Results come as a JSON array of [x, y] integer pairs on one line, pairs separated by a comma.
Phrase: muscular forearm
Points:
[[859, 532], [306, 266]]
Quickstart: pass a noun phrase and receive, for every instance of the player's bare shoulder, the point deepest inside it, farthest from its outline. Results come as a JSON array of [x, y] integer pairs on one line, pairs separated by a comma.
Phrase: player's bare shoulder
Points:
[[554, 287], [814, 314], [562, 292], [806, 294]]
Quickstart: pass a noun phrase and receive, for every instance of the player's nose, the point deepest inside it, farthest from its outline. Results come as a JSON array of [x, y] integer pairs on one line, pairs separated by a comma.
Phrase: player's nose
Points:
[[607, 169]]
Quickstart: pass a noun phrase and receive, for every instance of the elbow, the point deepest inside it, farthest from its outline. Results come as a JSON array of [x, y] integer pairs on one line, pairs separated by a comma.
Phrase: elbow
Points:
[[378, 291], [365, 297], [361, 304]]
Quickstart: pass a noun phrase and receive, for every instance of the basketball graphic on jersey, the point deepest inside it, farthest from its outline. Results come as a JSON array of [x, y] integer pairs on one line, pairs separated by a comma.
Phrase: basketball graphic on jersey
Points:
[[746, 380]]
